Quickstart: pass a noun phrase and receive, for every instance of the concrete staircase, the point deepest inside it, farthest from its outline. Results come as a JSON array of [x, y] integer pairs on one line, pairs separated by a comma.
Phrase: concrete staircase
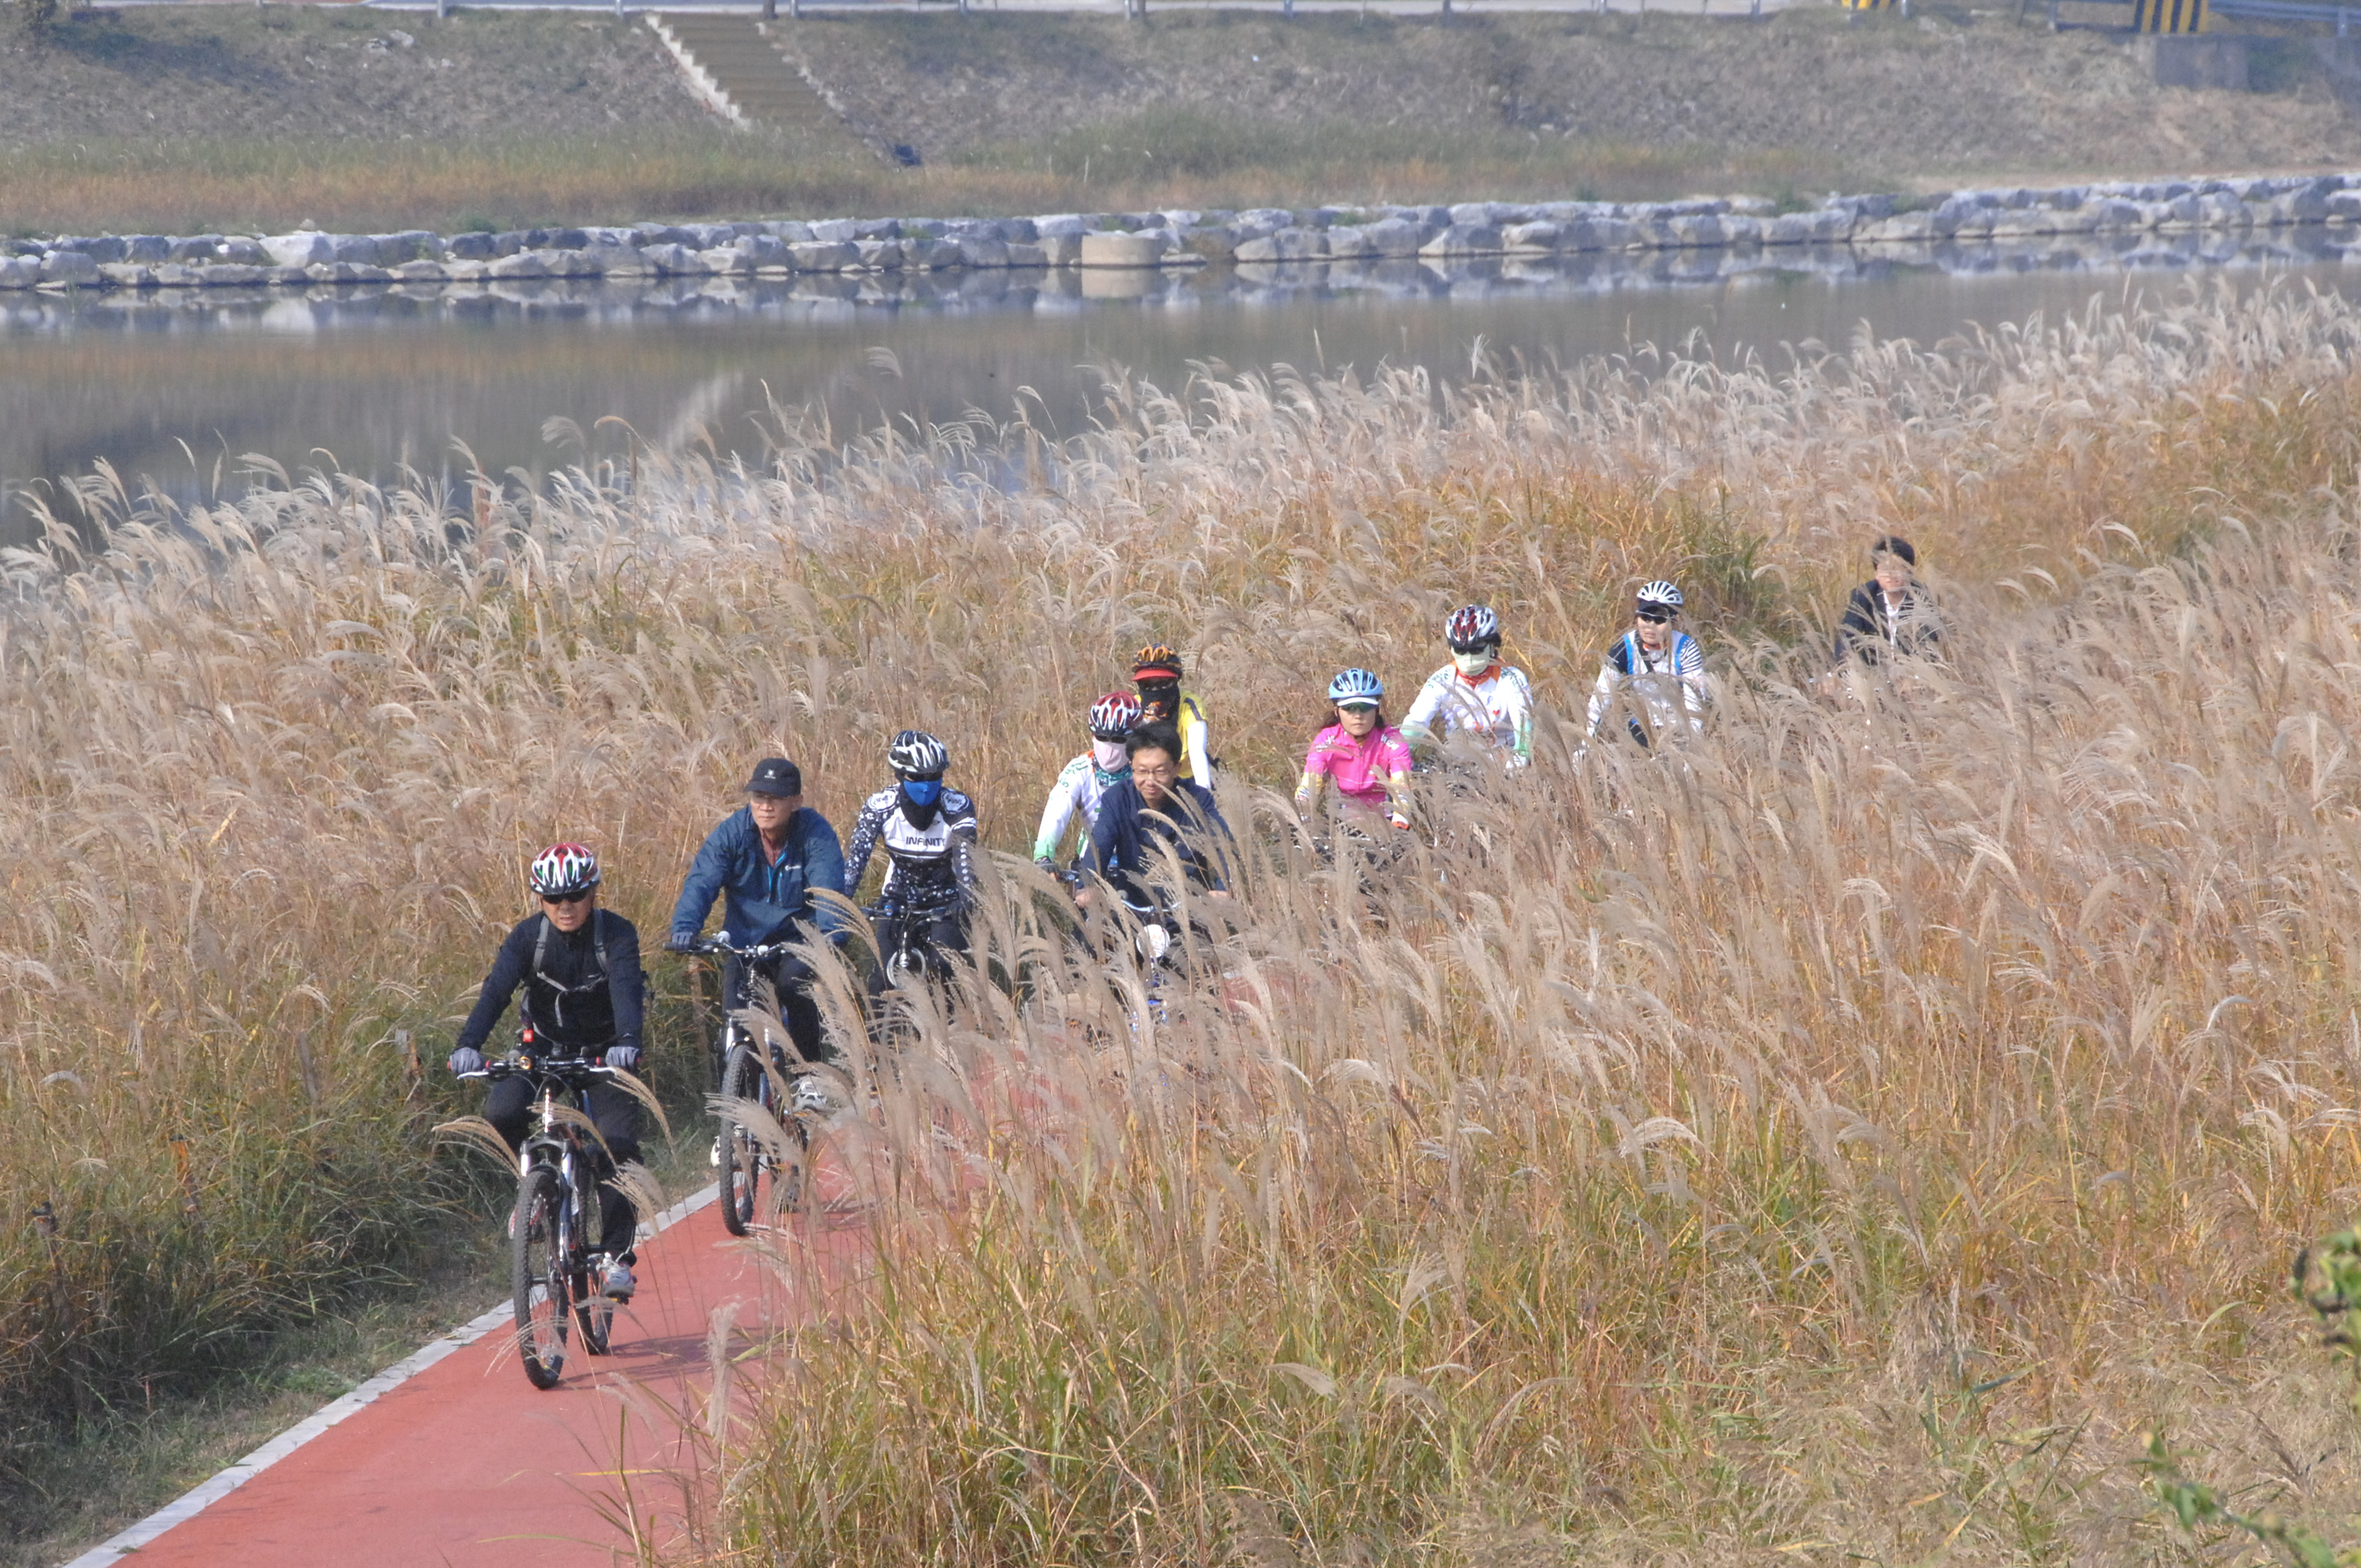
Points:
[[734, 64]]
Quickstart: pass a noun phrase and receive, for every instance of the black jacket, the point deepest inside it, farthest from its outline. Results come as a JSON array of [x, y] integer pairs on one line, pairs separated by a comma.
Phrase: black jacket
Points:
[[572, 999], [1124, 842], [1870, 626]]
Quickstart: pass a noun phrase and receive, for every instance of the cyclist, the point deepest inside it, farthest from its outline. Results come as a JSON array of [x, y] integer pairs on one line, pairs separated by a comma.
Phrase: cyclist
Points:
[[929, 835], [1892, 610], [1661, 667], [1368, 758], [765, 862], [1474, 694], [1089, 776], [579, 966], [1156, 806], [1155, 670]]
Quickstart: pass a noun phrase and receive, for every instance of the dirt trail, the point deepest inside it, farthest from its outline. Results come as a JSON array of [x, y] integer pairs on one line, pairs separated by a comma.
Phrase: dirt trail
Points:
[[467, 1464]]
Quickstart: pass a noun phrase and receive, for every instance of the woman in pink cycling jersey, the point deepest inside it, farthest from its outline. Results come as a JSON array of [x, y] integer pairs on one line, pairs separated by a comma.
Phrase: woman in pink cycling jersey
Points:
[[1368, 758]]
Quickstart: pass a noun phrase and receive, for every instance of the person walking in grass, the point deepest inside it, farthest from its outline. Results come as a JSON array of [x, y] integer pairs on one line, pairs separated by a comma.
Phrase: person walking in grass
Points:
[[765, 862], [1475, 696], [1892, 612], [1653, 673], [1366, 758], [578, 966]]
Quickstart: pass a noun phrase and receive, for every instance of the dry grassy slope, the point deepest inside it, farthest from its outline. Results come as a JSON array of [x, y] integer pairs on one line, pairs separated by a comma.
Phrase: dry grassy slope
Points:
[[308, 72], [1956, 92]]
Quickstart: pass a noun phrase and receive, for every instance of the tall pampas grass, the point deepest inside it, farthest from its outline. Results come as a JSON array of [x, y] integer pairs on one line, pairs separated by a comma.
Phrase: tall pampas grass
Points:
[[1660, 1143]]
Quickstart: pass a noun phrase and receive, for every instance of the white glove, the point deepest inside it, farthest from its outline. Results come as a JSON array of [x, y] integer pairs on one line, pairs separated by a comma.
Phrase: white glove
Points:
[[466, 1060], [625, 1058]]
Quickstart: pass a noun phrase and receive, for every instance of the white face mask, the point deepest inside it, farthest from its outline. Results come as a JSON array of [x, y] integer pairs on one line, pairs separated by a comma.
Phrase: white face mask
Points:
[[1110, 757], [1473, 664]]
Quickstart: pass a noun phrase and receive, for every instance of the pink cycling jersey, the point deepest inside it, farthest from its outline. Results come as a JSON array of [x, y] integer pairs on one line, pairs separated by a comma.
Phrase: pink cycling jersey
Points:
[[1360, 768]]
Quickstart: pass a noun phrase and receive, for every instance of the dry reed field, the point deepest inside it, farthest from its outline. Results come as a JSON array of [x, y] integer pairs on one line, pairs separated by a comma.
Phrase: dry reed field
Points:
[[1833, 1143]]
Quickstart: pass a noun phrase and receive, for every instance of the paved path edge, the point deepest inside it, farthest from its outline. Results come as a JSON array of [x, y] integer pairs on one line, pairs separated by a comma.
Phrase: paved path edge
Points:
[[108, 1552]]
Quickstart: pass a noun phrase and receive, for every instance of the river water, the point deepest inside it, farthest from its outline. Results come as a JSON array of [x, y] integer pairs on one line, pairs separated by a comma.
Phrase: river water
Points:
[[170, 391]]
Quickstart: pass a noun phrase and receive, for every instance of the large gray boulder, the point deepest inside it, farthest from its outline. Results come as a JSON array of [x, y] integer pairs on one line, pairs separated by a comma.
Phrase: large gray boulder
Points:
[[299, 249], [1462, 239], [982, 250], [20, 271], [1395, 238], [823, 255], [69, 269], [1350, 242], [1214, 242], [762, 250], [1286, 244]]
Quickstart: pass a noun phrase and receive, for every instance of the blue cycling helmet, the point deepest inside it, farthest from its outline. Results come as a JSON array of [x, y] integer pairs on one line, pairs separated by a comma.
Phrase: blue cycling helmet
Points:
[[1355, 685]]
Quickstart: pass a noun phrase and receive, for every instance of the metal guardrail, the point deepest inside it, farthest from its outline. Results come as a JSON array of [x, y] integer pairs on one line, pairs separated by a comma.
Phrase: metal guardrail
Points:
[[2287, 11]]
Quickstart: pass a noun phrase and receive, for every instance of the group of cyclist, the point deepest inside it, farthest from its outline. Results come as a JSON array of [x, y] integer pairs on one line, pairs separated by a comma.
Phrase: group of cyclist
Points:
[[1141, 791]]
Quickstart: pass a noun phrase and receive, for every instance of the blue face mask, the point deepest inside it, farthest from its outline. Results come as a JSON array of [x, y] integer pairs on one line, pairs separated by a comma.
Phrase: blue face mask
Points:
[[922, 792]]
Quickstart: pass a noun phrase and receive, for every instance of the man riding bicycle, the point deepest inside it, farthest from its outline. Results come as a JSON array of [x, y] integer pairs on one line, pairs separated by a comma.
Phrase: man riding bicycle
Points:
[[579, 966], [1150, 810], [928, 832], [765, 861]]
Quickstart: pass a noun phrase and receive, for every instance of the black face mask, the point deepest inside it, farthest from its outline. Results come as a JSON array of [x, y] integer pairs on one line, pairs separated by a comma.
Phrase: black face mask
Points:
[[1162, 696]]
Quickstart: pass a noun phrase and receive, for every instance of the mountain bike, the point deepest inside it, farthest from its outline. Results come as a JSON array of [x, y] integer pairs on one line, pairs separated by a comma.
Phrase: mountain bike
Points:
[[555, 1260], [752, 1076]]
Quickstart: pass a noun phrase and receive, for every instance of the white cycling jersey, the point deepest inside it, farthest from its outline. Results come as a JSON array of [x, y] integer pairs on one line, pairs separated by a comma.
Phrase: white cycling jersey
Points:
[[1667, 686], [1080, 786], [1496, 706]]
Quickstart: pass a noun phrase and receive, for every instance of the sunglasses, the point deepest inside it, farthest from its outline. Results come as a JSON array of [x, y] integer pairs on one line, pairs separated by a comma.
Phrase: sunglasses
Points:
[[922, 778], [1473, 647], [1655, 617], [556, 898], [1356, 708]]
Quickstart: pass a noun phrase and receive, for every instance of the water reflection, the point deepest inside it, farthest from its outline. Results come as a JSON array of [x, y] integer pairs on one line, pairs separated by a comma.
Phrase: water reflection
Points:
[[174, 386]]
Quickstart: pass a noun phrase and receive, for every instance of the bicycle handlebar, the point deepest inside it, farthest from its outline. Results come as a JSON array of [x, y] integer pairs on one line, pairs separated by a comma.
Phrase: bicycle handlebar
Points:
[[722, 944], [540, 1067]]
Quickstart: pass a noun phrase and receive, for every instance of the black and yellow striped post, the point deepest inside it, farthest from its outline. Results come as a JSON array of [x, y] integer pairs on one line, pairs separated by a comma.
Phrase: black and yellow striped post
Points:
[[2169, 15], [1876, 5]]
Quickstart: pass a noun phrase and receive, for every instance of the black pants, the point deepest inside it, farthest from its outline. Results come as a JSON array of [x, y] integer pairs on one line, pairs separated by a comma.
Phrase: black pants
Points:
[[791, 978], [943, 930], [509, 1108]]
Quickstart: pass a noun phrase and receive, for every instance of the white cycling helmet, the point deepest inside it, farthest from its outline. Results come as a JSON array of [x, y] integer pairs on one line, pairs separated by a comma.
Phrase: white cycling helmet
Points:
[[1659, 592]]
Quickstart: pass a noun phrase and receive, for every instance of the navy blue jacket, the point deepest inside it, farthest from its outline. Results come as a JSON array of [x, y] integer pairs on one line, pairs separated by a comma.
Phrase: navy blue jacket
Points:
[[1125, 840], [761, 901]]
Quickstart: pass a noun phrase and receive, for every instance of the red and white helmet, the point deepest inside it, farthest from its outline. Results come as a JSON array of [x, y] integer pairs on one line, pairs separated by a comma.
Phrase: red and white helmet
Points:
[[1114, 716], [562, 871], [1472, 625]]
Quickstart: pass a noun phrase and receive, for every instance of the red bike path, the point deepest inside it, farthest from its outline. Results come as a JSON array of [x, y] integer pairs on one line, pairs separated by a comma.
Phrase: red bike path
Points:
[[463, 1463]]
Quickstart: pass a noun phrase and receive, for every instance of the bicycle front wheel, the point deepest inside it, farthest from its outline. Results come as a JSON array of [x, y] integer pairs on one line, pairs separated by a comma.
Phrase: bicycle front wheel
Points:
[[538, 1246], [742, 1156]]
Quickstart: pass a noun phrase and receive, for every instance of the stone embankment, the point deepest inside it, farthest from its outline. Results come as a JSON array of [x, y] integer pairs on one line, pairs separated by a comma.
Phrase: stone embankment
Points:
[[2117, 217]]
